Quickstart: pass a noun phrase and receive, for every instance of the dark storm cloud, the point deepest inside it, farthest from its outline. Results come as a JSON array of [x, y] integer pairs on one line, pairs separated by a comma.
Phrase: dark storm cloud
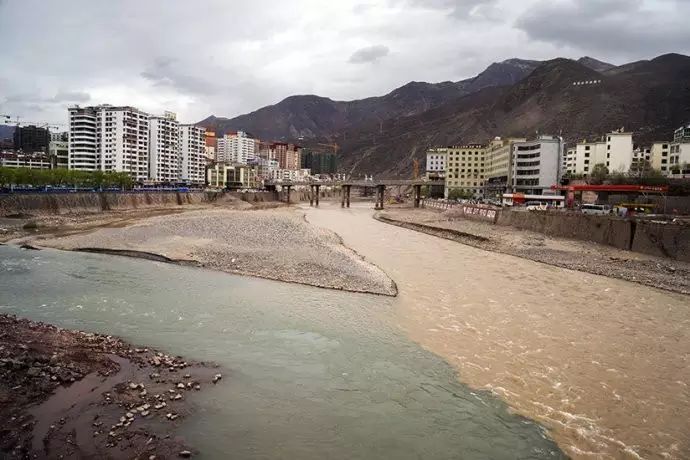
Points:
[[369, 54], [610, 27]]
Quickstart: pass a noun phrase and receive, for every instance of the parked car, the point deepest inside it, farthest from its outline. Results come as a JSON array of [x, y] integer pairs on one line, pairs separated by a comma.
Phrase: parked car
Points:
[[599, 209]]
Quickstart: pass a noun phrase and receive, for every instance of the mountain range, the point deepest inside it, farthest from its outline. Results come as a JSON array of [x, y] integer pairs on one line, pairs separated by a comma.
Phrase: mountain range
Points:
[[382, 135]]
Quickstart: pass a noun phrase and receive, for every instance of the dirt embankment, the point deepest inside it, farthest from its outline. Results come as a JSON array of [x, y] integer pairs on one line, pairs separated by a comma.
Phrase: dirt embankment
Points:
[[72, 394], [598, 259]]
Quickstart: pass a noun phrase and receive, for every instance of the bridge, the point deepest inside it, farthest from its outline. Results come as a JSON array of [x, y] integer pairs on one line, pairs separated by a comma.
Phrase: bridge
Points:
[[346, 185]]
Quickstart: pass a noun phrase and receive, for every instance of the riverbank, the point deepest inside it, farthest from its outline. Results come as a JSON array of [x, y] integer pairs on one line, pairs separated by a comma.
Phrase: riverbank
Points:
[[269, 243], [67, 393], [667, 274]]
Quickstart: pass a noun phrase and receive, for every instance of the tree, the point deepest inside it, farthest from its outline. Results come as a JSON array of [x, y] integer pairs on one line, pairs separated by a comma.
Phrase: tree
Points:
[[599, 173], [457, 193]]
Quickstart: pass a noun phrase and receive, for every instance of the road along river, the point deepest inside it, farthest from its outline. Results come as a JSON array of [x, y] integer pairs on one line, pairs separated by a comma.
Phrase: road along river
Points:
[[308, 373], [603, 363]]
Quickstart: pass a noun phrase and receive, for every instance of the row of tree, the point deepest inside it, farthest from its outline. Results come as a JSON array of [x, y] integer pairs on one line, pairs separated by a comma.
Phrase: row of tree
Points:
[[63, 178]]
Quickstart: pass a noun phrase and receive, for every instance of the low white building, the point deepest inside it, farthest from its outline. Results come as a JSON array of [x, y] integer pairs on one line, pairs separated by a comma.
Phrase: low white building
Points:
[[615, 151], [293, 175], [536, 165]]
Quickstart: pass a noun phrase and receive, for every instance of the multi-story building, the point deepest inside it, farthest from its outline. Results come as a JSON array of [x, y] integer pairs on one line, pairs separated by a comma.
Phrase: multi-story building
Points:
[[498, 167], [659, 156], [109, 138], [682, 135], [192, 154], [14, 159], [436, 160], [465, 169], [210, 144], [84, 139], [536, 165], [223, 175], [615, 151], [124, 140], [58, 152], [31, 139], [287, 155], [265, 168], [165, 162], [235, 148], [318, 162]]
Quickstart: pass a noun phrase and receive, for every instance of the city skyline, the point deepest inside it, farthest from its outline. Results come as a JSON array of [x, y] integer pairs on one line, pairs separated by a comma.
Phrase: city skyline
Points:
[[90, 53]]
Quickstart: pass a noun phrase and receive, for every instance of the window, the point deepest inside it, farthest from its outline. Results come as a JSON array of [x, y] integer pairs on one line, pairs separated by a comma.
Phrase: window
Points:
[[586, 147]]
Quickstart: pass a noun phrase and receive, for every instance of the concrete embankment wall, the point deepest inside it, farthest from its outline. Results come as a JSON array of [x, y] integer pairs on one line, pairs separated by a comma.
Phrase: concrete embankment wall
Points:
[[659, 239], [64, 203]]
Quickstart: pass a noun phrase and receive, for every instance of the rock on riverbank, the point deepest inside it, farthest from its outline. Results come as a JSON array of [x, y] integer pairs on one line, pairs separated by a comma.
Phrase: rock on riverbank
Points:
[[67, 394]]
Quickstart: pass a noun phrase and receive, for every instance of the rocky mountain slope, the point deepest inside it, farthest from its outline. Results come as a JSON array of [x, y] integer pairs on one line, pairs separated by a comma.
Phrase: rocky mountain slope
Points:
[[309, 116]]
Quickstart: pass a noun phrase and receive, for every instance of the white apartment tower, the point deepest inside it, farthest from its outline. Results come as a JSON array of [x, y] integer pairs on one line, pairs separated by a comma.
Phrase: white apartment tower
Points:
[[164, 149], [193, 154], [236, 148], [84, 139], [109, 138], [124, 139]]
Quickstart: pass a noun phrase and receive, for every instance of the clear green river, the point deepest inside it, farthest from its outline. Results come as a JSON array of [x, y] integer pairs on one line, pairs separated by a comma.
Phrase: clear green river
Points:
[[308, 373]]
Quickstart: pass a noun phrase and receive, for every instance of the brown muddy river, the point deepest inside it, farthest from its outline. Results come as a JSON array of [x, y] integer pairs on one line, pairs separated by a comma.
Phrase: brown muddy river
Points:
[[603, 363]]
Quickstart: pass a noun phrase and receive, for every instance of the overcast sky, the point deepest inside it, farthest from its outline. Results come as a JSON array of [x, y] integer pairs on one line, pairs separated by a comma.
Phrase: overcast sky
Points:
[[227, 57]]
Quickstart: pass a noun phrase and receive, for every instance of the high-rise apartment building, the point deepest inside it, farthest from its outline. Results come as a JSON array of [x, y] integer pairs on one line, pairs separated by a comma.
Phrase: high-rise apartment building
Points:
[[84, 149], [109, 138], [236, 148], [164, 149], [31, 139], [192, 150]]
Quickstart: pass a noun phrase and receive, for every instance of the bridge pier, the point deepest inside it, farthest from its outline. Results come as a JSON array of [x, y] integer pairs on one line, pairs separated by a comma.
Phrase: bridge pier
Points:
[[417, 195], [380, 194], [345, 196], [288, 187]]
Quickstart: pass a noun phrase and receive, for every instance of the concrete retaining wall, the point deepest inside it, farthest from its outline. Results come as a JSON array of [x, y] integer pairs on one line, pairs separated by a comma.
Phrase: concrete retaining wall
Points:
[[664, 240], [599, 229], [64, 203], [670, 240]]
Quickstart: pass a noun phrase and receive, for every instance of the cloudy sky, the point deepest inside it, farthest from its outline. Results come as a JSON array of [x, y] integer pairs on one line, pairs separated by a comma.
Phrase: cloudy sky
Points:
[[227, 57]]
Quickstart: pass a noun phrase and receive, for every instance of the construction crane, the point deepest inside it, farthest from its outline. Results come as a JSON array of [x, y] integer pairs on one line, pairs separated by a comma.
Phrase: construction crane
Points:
[[7, 119], [334, 146]]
